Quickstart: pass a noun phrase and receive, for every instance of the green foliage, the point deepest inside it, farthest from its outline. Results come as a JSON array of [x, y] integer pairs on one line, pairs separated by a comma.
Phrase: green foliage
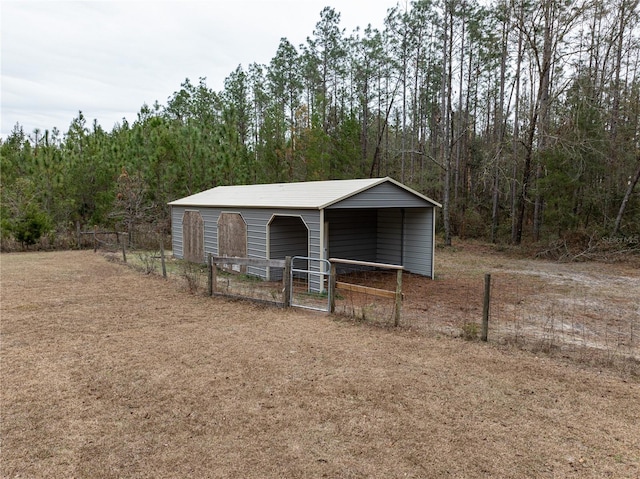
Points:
[[22, 216], [430, 99], [470, 331], [31, 227]]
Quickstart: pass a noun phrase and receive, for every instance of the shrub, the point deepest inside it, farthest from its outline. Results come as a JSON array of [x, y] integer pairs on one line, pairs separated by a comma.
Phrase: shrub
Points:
[[31, 227]]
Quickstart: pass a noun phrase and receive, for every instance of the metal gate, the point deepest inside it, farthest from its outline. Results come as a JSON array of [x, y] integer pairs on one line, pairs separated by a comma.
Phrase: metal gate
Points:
[[310, 283]]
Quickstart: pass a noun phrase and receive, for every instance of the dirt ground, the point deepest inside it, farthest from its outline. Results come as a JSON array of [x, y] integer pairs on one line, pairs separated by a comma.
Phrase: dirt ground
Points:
[[586, 309], [108, 373]]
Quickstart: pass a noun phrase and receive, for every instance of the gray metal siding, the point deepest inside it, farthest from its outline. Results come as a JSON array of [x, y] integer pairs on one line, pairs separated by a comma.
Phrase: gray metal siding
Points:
[[176, 230], [352, 234], [389, 247], [418, 241], [256, 220], [370, 234], [210, 217], [385, 195]]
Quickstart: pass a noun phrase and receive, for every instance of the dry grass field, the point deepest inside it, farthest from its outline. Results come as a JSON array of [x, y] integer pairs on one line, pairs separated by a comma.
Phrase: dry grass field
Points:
[[109, 373]]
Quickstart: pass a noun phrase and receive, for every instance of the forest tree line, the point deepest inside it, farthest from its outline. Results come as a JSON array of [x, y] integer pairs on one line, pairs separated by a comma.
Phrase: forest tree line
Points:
[[521, 117]]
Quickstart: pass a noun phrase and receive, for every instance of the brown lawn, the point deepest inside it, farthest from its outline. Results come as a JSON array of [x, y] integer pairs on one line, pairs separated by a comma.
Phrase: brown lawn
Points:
[[110, 373]]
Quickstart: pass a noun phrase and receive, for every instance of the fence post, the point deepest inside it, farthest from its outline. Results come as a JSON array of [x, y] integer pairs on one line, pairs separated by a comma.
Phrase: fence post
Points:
[[332, 288], [485, 307], [286, 279], [78, 234], [210, 275], [95, 238], [162, 262], [124, 251], [396, 316]]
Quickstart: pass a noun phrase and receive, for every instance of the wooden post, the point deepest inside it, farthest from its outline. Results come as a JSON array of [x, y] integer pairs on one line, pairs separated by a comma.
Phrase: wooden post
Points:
[[286, 280], [333, 277], [162, 262], [95, 238], [396, 316], [124, 251], [210, 267], [79, 235], [485, 307]]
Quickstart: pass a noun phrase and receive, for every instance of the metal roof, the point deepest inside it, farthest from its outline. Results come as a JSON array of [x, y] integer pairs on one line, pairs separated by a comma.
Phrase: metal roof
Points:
[[303, 195]]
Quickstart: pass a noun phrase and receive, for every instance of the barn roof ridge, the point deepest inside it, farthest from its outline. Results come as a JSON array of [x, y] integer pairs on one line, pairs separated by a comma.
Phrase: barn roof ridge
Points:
[[296, 195]]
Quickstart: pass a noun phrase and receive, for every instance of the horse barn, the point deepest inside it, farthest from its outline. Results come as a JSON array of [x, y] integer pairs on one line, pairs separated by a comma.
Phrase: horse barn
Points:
[[376, 220]]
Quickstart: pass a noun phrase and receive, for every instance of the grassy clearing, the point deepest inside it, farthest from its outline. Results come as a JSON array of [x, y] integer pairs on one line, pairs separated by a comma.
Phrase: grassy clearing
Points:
[[107, 372]]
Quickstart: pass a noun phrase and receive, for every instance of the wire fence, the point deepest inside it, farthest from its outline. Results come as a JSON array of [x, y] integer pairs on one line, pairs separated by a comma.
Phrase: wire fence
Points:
[[573, 316], [367, 293], [570, 317]]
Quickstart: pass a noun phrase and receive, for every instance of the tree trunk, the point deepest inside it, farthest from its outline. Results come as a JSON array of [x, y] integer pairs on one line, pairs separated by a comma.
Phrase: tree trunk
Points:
[[499, 136], [627, 195], [516, 139], [446, 133]]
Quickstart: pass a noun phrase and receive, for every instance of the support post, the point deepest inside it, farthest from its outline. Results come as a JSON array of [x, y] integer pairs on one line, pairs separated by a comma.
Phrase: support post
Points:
[[95, 238], [162, 261], [286, 279], [332, 288], [485, 307], [124, 251], [396, 316], [210, 274], [78, 234]]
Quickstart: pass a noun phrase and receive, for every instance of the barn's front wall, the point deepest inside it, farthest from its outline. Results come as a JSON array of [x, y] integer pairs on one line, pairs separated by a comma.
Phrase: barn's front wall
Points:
[[384, 195], [257, 221]]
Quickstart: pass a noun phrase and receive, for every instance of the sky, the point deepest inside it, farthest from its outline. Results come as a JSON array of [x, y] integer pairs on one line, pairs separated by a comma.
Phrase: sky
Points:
[[107, 58]]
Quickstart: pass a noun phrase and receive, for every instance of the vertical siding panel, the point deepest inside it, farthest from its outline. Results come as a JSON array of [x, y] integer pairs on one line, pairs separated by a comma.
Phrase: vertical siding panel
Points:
[[210, 217], [385, 195], [176, 231], [352, 234], [312, 219], [256, 220], [389, 248], [418, 240]]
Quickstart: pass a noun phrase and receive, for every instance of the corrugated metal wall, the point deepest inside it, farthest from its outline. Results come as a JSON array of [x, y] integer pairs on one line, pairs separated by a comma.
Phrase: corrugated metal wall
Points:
[[385, 195], [418, 240], [379, 236], [257, 221], [352, 234], [389, 247], [210, 219]]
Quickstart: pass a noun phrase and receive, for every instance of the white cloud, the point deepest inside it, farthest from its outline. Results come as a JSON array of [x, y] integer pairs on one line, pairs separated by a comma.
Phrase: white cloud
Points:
[[108, 58]]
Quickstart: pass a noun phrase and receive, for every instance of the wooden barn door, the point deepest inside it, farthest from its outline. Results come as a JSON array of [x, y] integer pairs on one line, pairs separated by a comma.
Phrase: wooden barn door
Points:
[[193, 236], [232, 237]]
